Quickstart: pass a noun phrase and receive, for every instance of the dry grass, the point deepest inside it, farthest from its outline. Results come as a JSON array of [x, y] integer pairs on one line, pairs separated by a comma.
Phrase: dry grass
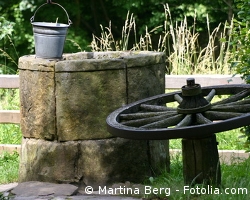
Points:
[[179, 41]]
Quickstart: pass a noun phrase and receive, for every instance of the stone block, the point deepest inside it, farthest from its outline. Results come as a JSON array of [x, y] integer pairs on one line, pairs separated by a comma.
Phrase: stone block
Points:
[[85, 98], [145, 81], [48, 161], [108, 161], [37, 98]]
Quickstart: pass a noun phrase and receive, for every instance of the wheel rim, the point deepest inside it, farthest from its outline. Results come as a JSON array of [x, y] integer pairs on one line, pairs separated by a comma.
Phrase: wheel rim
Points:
[[151, 119]]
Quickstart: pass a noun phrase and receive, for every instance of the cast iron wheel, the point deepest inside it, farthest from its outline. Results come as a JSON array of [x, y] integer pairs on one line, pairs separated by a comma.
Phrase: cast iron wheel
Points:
[[153, 119]]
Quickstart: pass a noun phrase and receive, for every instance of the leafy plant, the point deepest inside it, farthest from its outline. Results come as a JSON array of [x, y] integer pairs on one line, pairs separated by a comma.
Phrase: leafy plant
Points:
[[241, 50], [241, 40], [246, 135]]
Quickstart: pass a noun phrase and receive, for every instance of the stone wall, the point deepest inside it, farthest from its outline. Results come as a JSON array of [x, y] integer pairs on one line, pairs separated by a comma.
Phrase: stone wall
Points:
[[64, 106]]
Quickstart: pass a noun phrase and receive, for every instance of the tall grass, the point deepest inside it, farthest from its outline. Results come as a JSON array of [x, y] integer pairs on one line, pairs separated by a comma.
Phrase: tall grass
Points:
[[178, 40], [8, 52]]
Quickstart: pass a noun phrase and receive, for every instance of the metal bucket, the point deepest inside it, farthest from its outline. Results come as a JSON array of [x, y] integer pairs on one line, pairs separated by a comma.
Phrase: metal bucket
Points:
[[49, 37]]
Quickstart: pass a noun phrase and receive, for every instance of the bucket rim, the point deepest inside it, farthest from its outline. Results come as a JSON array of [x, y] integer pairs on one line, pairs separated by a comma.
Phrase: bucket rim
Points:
[[50, 24]]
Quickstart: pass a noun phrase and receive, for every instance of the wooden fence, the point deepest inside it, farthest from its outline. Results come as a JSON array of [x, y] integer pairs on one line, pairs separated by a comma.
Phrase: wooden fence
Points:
[[9, 116]]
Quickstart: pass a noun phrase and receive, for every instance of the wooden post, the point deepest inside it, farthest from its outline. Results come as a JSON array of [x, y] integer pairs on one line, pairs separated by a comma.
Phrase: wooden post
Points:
[[201, 161]]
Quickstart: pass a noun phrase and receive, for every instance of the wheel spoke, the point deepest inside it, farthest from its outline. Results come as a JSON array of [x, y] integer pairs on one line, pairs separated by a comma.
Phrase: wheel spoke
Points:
[[178, 98], [165, 123], [185, 122], [232, 108], [215, 115], [244, 101], [155, 108], [144, 121], [211, 95], [142, 115], [234, 98], [200, 119]]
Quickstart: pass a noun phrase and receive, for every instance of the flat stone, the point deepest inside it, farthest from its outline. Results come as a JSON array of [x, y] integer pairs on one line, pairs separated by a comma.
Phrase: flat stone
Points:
[[100, 197], [35, 188], [7, 187], [87, 197]]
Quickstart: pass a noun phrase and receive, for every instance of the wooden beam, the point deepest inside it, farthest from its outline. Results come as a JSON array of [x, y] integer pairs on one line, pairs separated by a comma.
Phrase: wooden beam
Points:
[[177, 81], [11, 148], [171, 81], [9, 81], [9, 116]]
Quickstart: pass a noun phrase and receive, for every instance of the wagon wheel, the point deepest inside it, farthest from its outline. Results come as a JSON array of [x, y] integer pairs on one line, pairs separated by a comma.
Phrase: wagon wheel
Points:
[[195, 116]]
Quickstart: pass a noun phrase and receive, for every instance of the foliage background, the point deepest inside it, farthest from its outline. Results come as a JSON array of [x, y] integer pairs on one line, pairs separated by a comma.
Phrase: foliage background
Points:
[[16, 37]]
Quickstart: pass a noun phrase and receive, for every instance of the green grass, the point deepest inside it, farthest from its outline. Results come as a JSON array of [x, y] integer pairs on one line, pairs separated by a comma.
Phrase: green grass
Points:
[[234, 177], [228, 140], [9, 164], [10, 134]]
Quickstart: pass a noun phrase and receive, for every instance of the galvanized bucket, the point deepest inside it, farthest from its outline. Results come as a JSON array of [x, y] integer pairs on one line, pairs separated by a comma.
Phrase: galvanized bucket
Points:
[[49, 37]]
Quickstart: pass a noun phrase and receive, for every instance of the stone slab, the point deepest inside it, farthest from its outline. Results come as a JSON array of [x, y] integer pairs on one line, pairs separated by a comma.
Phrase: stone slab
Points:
[[7, 187], [35, 188], [31, 63], [82, 197], [31, 191]]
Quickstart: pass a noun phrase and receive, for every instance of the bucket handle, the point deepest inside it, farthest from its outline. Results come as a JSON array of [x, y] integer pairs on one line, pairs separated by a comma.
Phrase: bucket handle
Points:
[[50, 2]]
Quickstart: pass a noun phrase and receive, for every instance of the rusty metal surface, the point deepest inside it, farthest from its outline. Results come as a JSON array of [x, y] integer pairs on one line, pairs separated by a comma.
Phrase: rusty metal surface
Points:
[[116, 127]]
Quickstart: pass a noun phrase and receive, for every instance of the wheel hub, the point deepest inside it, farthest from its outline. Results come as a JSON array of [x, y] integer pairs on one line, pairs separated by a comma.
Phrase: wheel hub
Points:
[[192, 99]]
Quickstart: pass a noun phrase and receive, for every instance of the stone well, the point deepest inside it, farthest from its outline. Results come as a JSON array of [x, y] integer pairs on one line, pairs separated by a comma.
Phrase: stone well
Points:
[[64, 106]]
